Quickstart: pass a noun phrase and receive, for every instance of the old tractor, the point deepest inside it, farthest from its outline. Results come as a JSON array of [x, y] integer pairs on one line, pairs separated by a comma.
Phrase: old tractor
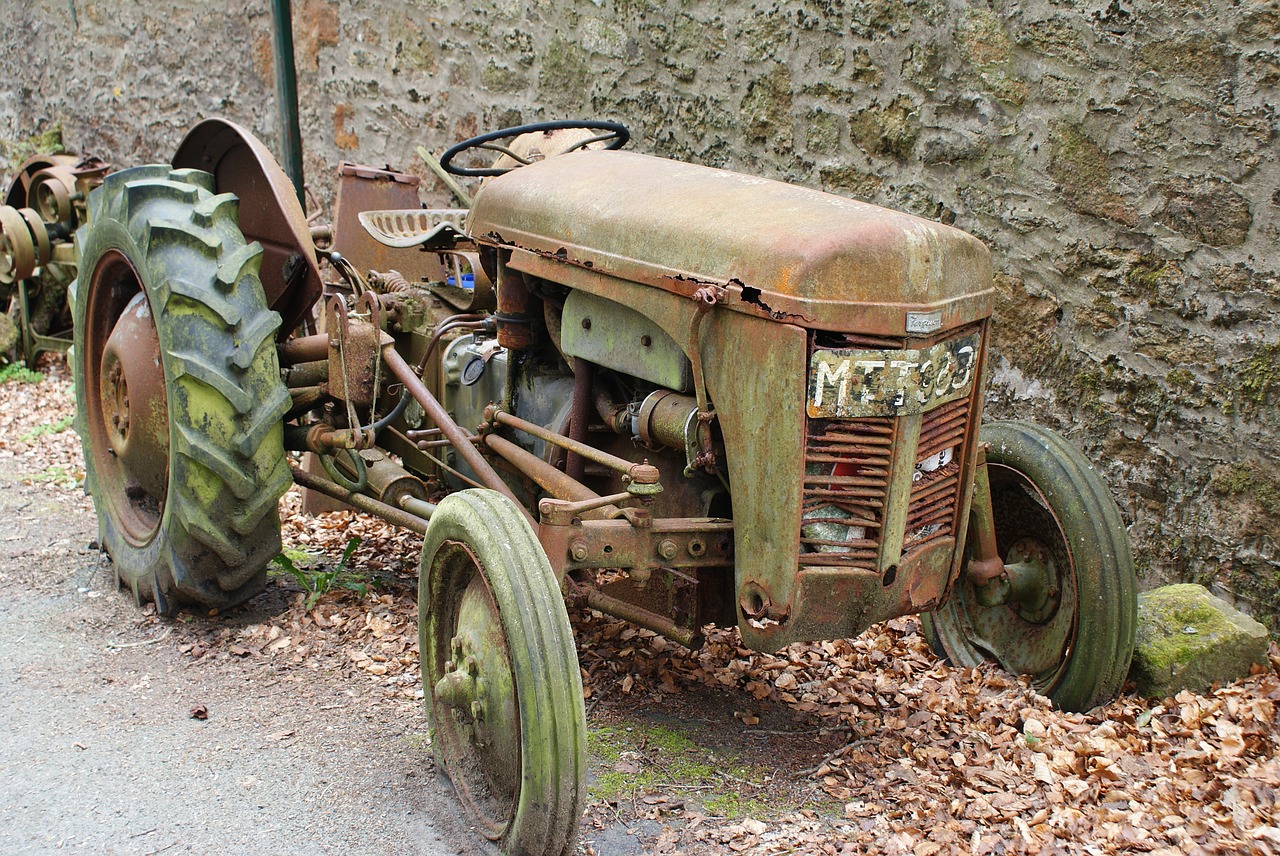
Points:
[[678, 395]]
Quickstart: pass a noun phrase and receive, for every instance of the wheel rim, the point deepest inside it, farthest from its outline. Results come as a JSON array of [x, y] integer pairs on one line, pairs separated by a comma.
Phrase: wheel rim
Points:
[[1029, 635], [474, 708], [127, 409]]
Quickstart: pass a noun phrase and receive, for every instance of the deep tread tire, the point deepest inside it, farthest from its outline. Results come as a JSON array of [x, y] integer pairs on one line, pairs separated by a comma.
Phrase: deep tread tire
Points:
[[482, 532], [219, 525], [1086, 530]]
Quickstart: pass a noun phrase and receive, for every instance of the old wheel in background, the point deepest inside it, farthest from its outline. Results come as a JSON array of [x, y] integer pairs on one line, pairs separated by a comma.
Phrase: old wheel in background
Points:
[[1072, 630], [178, 392], [500, 671]]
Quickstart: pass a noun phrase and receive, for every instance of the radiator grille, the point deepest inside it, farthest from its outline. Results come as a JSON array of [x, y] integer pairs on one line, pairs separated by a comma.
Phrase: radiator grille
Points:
[[932, 513], [847, 473], [845, 482]]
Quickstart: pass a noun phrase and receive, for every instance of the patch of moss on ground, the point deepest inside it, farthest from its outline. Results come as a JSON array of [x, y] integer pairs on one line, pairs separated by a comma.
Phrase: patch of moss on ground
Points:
[[733, 805], [640, 759]]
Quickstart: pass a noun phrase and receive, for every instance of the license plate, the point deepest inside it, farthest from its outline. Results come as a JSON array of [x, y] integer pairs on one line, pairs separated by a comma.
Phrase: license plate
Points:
[[846, 384]]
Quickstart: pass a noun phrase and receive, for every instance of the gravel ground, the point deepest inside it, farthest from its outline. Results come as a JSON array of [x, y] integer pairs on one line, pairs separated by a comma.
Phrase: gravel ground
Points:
[[99, 749]]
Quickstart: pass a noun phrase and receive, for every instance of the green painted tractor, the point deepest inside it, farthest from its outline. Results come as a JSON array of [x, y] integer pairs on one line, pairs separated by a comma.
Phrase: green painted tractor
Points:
[[678, 395]]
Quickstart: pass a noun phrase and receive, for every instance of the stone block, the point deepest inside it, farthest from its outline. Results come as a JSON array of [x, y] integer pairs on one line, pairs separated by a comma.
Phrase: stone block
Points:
[[1190, 639]]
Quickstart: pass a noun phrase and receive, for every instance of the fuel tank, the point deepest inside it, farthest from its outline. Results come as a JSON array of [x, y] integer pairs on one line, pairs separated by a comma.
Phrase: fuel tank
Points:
[[782, 251]]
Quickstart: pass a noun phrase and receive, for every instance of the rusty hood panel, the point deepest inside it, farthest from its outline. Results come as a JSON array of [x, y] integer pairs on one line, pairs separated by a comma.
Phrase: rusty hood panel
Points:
[[783, 251]]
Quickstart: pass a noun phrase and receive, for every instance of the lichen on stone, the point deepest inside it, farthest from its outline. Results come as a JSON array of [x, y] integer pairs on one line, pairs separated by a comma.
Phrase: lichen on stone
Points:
[[890, 130], [1082, 171], [565, 73], [1206, 209], [766, 108]]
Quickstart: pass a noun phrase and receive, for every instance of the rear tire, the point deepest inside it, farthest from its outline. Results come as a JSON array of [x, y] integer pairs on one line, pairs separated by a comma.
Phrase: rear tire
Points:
[[187, 474]]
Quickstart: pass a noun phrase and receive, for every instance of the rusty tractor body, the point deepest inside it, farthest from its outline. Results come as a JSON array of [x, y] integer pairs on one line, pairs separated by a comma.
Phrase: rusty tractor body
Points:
[[679, 395]]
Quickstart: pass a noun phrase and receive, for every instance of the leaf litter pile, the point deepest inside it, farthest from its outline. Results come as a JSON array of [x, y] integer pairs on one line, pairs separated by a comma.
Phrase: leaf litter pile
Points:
[[866, 745]]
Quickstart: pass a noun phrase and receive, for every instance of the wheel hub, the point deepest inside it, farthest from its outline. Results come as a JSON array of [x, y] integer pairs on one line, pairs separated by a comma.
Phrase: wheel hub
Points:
[[132, 399], [462, 688], [1034, 588], [476, 709]]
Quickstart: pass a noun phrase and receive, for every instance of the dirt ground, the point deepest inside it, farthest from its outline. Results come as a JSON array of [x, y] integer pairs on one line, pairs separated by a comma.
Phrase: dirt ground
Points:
[[101, 751], [313, 738]]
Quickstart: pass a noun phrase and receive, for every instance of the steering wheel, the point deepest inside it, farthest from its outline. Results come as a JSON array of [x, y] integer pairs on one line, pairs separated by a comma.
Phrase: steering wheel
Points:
[[615, 134]]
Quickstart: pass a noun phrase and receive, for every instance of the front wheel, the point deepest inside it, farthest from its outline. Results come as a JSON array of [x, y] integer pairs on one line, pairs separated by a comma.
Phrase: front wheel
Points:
[[500, 673], [1059, 532]]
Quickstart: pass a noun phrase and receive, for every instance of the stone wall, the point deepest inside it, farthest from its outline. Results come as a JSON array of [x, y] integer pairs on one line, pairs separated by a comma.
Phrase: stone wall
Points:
[[1117, 155]]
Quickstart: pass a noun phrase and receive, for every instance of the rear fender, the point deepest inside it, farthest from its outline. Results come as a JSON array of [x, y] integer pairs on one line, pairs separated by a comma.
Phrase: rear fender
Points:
[[269, 213]]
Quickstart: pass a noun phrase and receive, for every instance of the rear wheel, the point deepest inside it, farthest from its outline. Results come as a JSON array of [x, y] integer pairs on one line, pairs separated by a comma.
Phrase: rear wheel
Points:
[[500, 671], [1058, 531], [178, 392]]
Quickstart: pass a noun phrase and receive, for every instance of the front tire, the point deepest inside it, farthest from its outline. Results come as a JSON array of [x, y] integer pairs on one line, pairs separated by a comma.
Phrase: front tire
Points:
[[500, 674], [1051, 512], [179, 399]]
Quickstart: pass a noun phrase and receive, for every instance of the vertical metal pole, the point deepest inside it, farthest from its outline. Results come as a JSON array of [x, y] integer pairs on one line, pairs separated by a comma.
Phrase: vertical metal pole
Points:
[[287, 95]]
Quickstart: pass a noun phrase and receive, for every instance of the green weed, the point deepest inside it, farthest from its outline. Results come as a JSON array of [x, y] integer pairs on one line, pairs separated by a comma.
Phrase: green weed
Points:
[[319, 581], [46, 429], [59, 476], [18, 373]]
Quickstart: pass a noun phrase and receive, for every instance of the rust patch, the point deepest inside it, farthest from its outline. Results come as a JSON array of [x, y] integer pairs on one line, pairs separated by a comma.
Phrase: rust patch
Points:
[[344, 138], [752, 296], [263, 61], [315, 25]]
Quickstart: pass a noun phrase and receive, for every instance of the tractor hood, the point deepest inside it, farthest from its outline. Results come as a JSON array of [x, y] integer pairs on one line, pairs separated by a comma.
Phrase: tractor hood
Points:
[[781, 251]]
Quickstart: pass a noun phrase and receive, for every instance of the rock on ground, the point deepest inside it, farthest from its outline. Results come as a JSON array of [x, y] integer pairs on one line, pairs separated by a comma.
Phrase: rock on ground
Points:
[[1190, 639]]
